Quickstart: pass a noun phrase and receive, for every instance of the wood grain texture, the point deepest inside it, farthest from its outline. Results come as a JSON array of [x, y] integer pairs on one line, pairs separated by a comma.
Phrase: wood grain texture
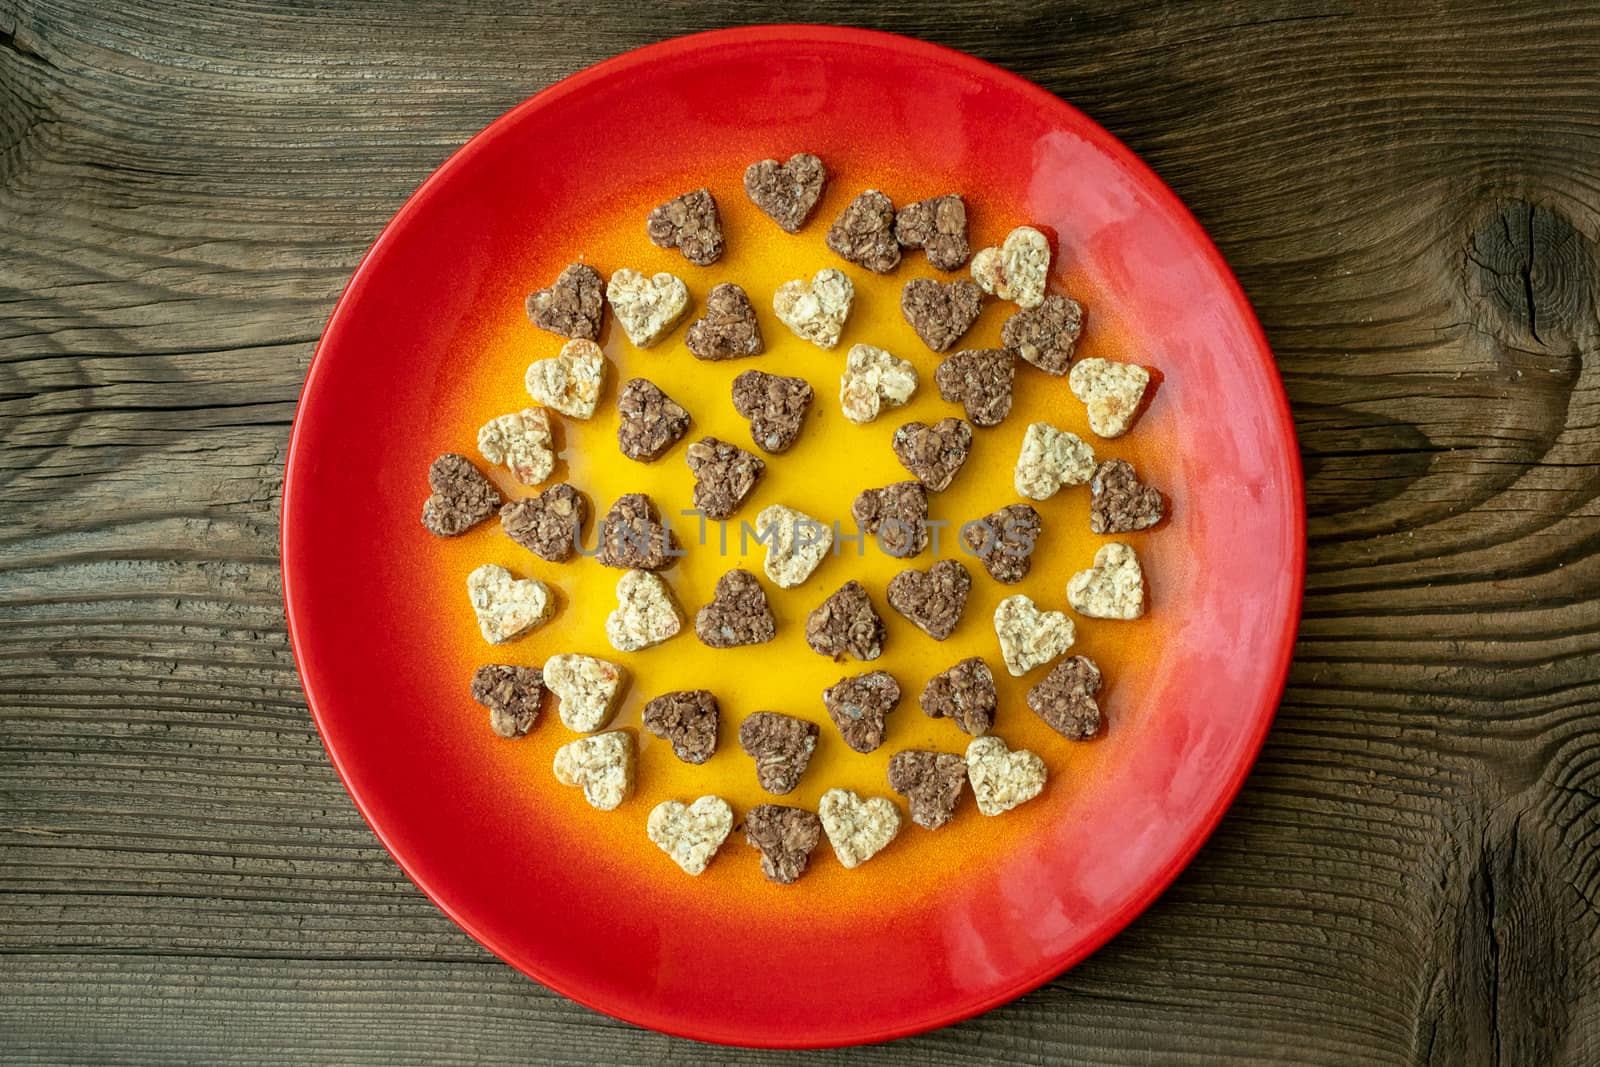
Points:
[[1411, 199]]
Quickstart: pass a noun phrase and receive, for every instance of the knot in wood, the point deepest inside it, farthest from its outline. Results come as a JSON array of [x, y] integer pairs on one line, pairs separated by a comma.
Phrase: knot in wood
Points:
[[1533, 277]]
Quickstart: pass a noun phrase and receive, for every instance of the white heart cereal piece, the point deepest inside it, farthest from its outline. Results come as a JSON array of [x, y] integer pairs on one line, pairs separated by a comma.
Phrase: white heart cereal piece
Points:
[[1111, 391], [857, 829], [648, 307], [796, 544], [507, 607], [646, 613], [874, 379], [816, 310], [602, 764], [587, 688], [569, 382], [1017, 270], [522, 441], [690, 833], [1113, 588], [1001, 779], [1051, 458], [1028, 636]]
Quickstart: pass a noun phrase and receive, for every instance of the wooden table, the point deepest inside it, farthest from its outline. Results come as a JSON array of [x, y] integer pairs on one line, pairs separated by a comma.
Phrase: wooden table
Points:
[[1411, 199]]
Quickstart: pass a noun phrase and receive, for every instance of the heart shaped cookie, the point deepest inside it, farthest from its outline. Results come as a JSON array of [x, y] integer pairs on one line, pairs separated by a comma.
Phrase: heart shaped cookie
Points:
[[1111, 589], [864, 233], [549, 525], [940, 313], [1017, 270], [690, 833], [737, 615], [647, 306], [688, 718], [507, 607], [1051, 458], [785, 837], [938, 226], [724, 475], [897, 515], [602, 765], [571, 306], [570, 381], [816, 311], [1028, 636], [462, 496], [651, 421], [1047, 335], [857, 829], [846, 624], [964, 694], [787, 192], [931, 782], [729, 329], [934, 599], [859, 705], [775, 405], [588, 689], [796, 544], [1112, 393], [1001, 779], [933, 453], [1120, 502], [523, 442], [512, 694], [781, 745], [873, 379], [633, 537], [979, 379], [1004, 541], [690, 224], [646, 614], [1064, 699]]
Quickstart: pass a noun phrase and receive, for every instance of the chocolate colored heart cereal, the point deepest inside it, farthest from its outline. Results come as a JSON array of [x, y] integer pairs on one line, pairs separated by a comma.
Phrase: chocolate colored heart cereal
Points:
[[857, 828], [462, 496], [1017, 270], [1120, 502], [796, 544], [979, 379], [787, 192], [688, 718], [1047, 335], [873, 379], [646, 614], [1112, 393], [934, 453], [1004, 540], [522, 441], [897, 515], [931, 782], [964, 694], [690, 833], [569, 382], [846, 624], [816, 311], [602, 765], [632, 536], [651, 420], [933, 599], [512, 694], [548, 525], [571, 306], [938, 226], [507, 607], [785, 837], [1065, 698], [1113, 588], [647, 306], [588, 689], [859, 705], [775, 405], [941, 313], [729, 329], [724, 475], [1001, 779], [737, 615], [864, 233], [781, 745], [1029, 637], [690, 224], [1051, 458]]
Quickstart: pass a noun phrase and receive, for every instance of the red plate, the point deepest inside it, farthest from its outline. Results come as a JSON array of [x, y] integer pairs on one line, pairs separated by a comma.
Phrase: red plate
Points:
[[428, 340]]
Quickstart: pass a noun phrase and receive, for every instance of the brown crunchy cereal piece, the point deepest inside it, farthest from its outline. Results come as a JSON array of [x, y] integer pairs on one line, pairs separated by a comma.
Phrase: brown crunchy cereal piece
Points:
[[775, 405], [857, 828], [1112, 393], [507, 607], [1001, 779], [1029, 637], [688, 718], [931, 782], [979, 379], [647, 307], [724, 475], [859, 705], [1120, 502], [964, 693], [864, 233], [632, 536], [571, 306], [897, 514], [1113, 588], [513, 696], [737, 615], [940, 312], [938, 226], [729, 329], [787, 192], [785, 837], [781, 745], [646, 613], [690, 224], [462, 496], [846, 623], [874, 379], [1004, 541], [1047, 335], [1064, 699], [934, 453], [1017, 270], [523, 442], [933, 599], [1051, 458], [548, 525], [816, 311], [651, 422]]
